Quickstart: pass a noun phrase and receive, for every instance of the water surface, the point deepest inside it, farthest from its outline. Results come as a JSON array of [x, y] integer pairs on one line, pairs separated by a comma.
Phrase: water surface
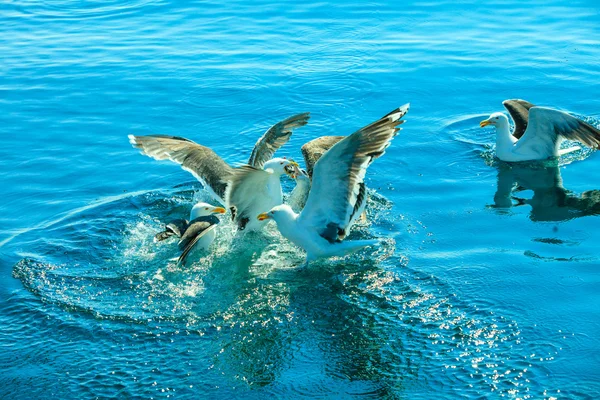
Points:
[[487, 284]]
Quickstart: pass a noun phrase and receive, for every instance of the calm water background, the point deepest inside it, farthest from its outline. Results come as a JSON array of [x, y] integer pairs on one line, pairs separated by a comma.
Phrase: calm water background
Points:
[[470, 296]]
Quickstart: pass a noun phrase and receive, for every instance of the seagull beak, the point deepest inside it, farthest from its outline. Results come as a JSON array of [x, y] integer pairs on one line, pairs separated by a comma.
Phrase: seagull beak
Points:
[[485, 122], [218, 210], [263, 216]]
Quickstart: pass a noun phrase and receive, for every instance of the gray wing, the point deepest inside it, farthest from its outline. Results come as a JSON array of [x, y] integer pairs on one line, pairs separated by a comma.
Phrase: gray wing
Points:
[[202, 162], [314, 149], [246, 190], [547, 127], [339, 174], [196, 230], [519, 111], [275, 137]]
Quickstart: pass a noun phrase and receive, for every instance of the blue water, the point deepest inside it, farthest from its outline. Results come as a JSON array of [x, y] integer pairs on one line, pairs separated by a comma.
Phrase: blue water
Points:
[[486, 286]]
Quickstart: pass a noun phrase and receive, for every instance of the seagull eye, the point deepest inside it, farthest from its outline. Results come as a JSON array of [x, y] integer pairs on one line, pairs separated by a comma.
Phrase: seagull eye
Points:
[[496, 118], [281, 163], [206, 208]]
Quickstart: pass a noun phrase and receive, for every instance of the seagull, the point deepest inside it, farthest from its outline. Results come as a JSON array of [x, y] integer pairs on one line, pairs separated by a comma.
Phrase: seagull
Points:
[[322, 225], [199, 232], [538, 132], [226, 184]]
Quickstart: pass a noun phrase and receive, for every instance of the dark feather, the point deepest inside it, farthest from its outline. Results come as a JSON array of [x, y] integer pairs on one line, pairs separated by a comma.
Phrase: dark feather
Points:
[[519, 111]]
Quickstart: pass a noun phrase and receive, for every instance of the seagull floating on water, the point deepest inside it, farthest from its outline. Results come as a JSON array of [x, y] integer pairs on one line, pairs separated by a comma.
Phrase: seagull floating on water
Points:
[[334, 197], [230, 186], [199, 232], [538, 132]]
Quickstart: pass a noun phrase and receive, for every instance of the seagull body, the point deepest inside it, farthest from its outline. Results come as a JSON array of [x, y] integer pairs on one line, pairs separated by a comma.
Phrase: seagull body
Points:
[[335, 194], [538, 132], [254, 190], [224, 182], [198, 233]]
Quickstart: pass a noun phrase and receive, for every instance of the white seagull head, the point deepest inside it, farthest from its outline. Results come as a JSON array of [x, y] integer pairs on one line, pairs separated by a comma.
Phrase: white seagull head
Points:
[[497, 119], [205, 209], [280, 214], [281, 166]]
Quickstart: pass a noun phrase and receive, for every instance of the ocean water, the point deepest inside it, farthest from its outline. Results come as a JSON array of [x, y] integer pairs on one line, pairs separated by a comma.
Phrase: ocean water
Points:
[[487, 284]]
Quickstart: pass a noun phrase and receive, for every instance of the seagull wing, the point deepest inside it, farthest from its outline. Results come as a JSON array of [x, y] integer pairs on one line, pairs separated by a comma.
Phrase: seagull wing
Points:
[[195, 231], [339, 173], [246, 191], [546, 129], [202, 162], [314, 149], [275, 137], [519, 111]]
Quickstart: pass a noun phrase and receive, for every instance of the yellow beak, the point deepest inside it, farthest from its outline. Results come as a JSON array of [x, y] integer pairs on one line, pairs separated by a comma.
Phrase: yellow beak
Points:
[[485, 122], [263, 216], [218, 210]]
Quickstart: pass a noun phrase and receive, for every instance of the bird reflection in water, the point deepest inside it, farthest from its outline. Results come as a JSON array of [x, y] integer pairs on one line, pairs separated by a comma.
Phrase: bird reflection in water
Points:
[[550, 200]]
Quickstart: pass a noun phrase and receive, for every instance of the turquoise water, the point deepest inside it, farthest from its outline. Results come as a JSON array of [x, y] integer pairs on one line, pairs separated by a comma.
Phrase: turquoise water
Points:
[[486, 286]]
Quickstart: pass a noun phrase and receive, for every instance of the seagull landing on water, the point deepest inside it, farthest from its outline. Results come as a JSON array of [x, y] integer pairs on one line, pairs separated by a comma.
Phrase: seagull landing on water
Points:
[[199, 232], [538, 132], [233, 187], [334, 197]]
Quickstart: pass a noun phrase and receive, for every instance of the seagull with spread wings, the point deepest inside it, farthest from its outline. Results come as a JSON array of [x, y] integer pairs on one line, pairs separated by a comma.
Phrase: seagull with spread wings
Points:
[[538, 132], [335, 193], [230, 186]]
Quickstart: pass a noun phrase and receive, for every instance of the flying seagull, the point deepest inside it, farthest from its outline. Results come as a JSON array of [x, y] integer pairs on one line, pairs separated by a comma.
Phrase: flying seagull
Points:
[[322, 225], [244, 199], [538, 132]]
